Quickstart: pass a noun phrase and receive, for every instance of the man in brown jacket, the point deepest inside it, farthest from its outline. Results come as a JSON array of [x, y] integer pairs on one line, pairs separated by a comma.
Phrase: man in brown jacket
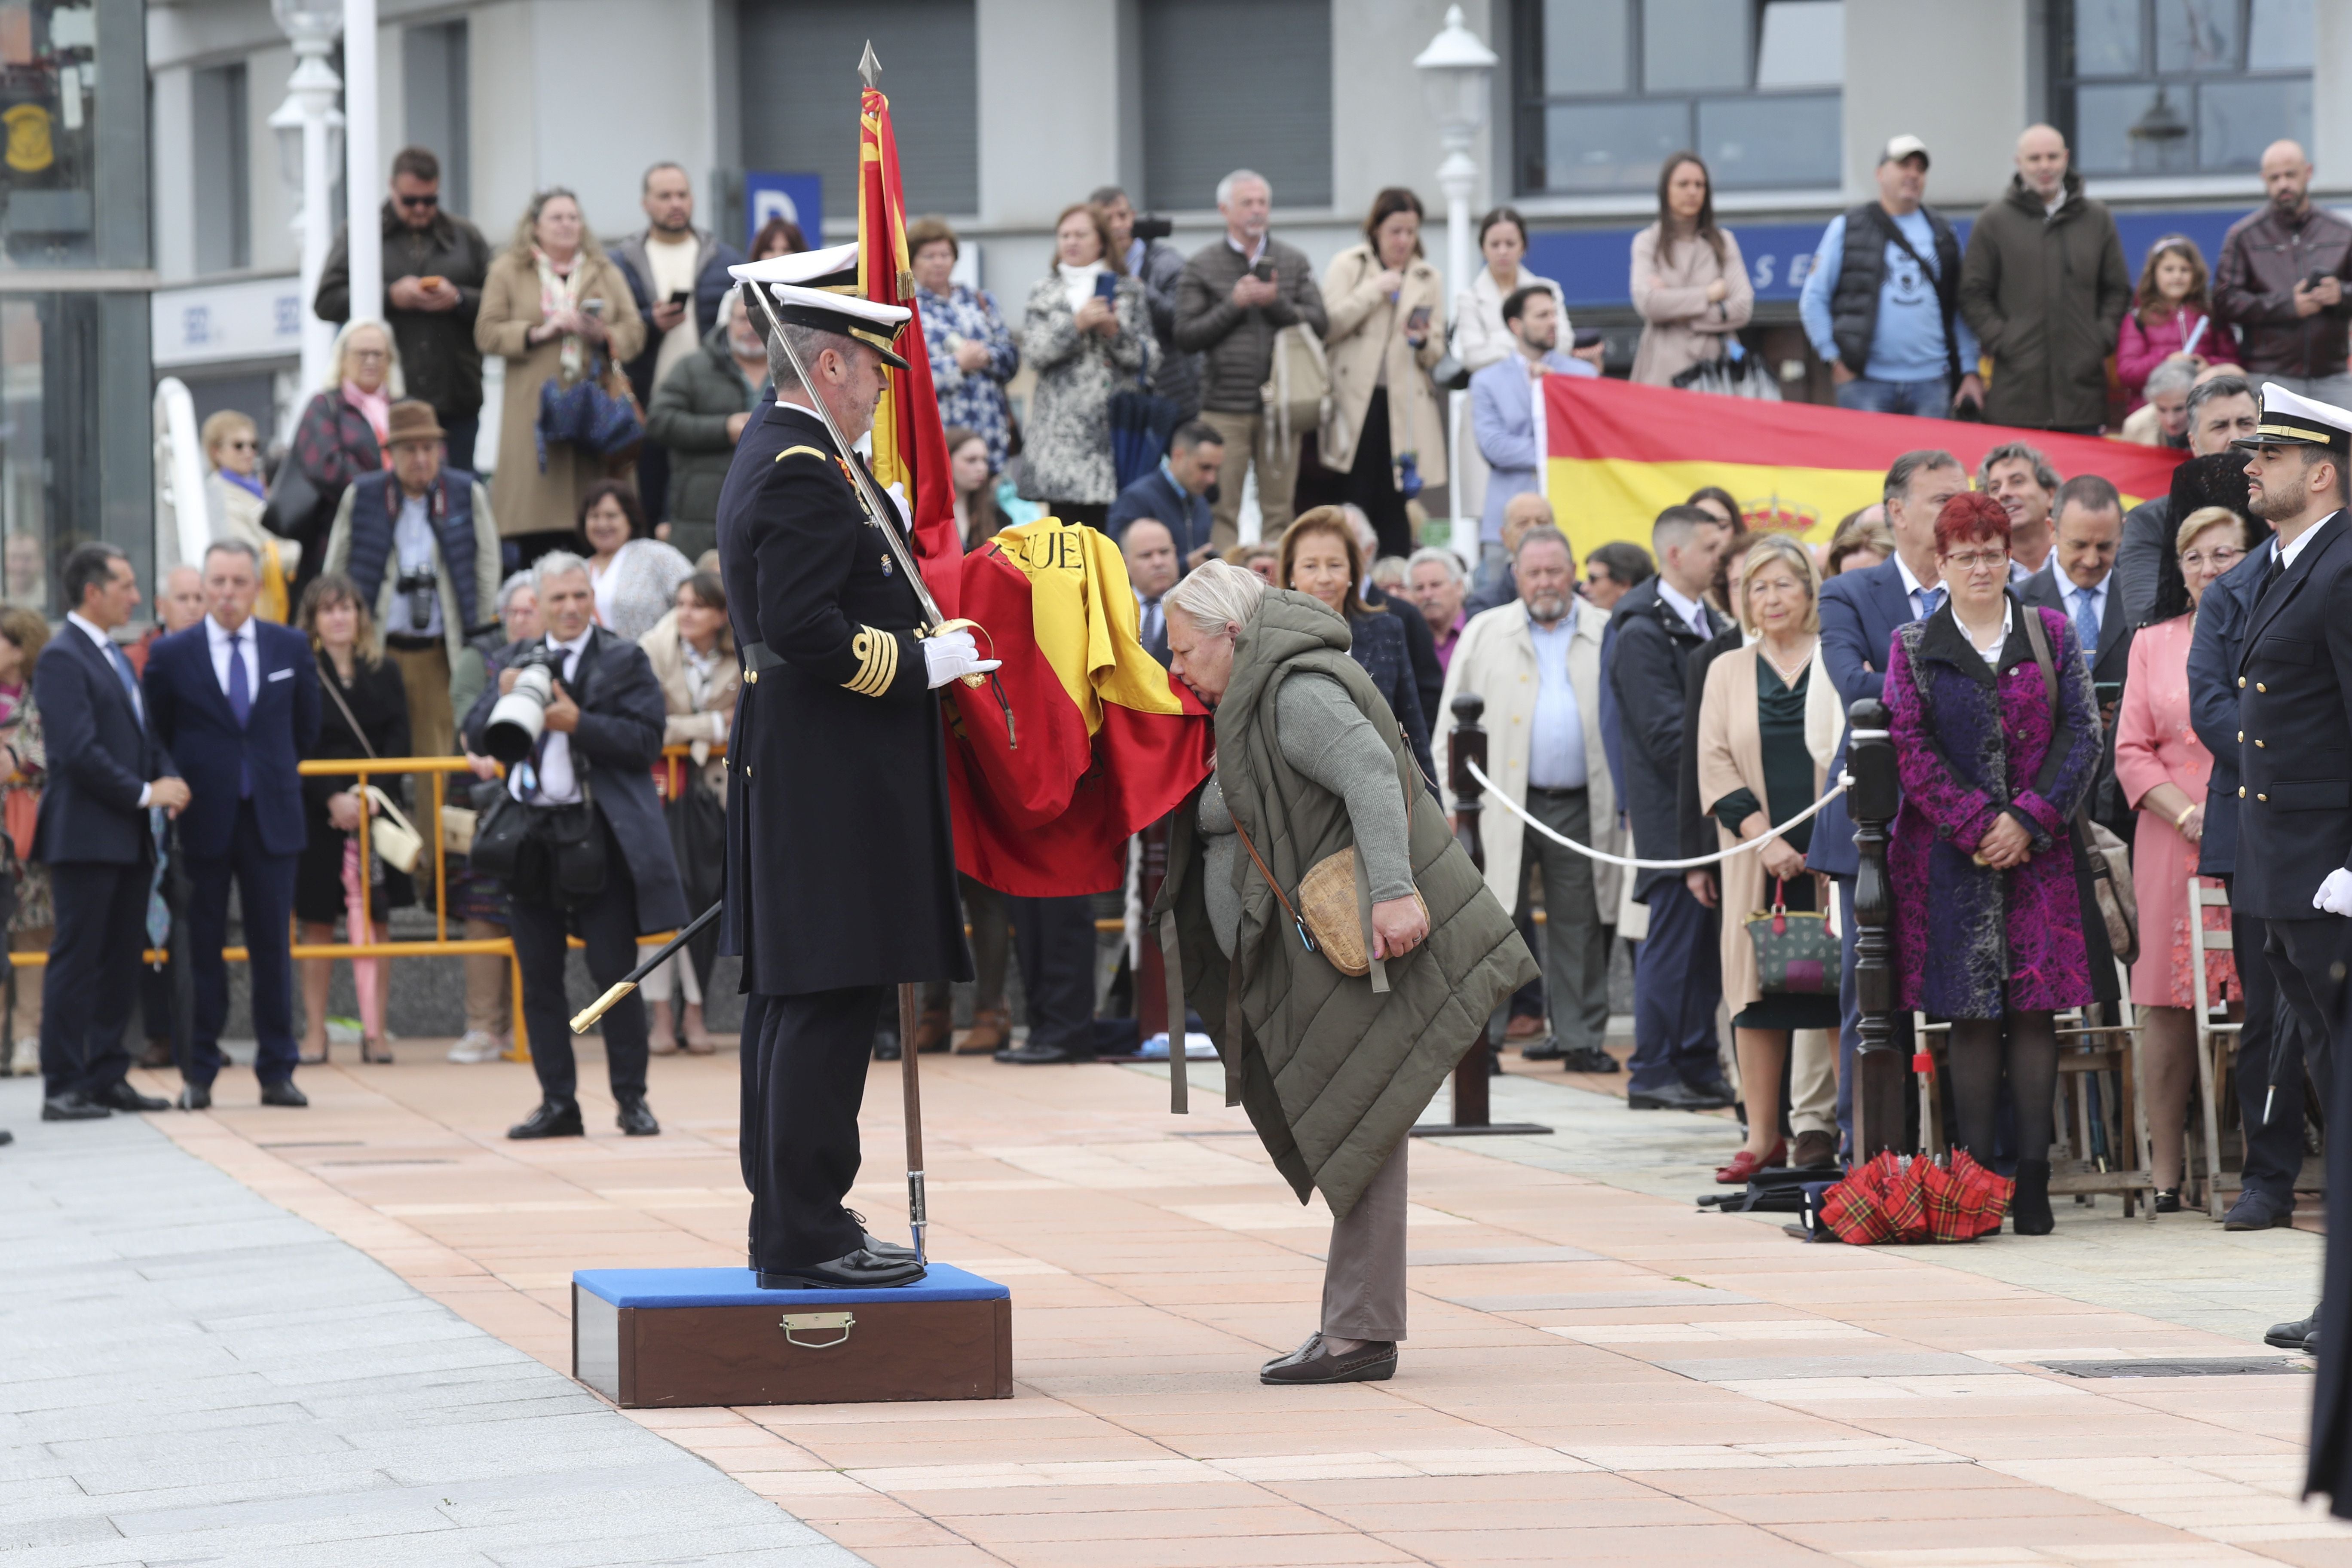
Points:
[[2043, 287], [2291, 330], [1234, 295]]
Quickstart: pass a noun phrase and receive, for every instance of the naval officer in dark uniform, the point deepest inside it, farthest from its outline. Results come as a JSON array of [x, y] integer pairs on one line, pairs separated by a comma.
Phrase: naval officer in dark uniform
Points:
[[2295, 821], [841, 879]]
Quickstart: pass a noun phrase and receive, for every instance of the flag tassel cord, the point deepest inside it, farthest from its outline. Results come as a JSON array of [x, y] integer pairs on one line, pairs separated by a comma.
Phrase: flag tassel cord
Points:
[[1495, 793]]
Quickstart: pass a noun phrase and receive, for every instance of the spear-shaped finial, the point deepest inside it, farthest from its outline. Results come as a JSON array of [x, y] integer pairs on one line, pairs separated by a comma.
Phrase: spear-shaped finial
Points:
[[870, 69]]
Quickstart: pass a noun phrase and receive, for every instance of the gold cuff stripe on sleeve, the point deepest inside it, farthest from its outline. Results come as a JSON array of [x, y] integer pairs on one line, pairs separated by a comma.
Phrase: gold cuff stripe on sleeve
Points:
[[877, 661]]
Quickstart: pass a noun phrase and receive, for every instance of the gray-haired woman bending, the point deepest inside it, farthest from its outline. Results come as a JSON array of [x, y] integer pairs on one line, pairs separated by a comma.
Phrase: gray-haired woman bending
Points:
[[1333, 1070]]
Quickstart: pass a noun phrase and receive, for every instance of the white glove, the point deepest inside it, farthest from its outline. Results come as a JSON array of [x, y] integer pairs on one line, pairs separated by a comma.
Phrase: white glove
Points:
[[951, 656], [2335, 895]]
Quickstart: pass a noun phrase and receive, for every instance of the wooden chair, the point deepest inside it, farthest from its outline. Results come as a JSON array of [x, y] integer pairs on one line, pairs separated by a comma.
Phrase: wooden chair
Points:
[[2084, 1049], [2217, 1034]]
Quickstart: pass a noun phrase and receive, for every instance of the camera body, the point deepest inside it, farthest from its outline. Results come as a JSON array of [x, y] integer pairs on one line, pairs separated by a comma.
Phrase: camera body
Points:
[[1150, 226], [422, 588], [518, 717]]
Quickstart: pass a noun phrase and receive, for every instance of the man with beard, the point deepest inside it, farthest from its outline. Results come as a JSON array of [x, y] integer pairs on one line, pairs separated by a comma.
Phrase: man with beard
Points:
[[2280, 281], [2294, 823]]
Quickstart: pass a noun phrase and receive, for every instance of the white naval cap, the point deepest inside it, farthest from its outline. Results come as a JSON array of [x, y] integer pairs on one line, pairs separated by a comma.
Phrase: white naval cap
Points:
[[2291, 419], [818, 289]]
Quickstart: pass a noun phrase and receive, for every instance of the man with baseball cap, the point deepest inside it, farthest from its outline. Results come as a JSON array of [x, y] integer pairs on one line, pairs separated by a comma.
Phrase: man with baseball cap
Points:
[[1881, 301]]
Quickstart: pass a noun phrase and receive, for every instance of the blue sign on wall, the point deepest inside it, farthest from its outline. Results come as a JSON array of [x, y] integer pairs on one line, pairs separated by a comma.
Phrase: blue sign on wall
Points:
[[1594, 266], [797, 198]]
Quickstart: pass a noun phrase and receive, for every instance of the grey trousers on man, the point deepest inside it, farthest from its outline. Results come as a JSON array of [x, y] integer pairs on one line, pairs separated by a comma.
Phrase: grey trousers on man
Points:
[[1363, 1273], [1575, 948]]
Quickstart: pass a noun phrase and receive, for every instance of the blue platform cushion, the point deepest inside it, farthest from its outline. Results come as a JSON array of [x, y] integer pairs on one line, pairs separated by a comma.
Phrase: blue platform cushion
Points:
[[740, 1288]]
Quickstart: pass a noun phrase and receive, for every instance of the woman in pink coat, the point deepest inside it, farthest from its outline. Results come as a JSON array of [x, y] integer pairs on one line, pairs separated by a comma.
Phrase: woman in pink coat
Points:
[[2171, 313], [2162, 767]]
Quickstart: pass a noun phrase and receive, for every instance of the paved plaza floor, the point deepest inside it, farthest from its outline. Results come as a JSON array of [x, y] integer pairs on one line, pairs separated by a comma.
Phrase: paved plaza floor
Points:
[[337, 1336]]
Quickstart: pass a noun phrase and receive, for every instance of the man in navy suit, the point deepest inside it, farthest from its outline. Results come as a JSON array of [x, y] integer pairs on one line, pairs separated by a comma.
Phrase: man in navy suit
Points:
[[236, 703], [105, 772], [1860, 613], [2079, 582], [1176, 493]]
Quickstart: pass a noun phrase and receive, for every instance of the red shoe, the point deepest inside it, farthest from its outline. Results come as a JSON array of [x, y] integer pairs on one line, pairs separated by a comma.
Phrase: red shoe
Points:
[[1745, 1164]]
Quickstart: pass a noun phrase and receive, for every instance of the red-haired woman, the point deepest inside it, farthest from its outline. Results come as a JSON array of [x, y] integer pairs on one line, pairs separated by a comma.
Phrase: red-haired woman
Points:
[[1990, 884]]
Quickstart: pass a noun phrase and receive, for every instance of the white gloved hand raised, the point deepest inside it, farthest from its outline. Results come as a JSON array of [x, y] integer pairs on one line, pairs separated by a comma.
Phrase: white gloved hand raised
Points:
[[951, 656], [2335, 895]]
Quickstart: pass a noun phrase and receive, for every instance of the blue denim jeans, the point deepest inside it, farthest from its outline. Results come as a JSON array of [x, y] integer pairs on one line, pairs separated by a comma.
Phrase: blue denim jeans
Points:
[[1929, 399]]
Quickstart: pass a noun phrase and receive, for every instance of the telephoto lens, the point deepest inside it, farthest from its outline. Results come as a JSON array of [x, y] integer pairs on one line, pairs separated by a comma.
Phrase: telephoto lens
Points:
[[516, 718]]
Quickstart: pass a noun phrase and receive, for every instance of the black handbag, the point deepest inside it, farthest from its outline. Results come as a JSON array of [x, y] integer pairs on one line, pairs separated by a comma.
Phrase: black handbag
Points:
[[501, 825], [575, 836]]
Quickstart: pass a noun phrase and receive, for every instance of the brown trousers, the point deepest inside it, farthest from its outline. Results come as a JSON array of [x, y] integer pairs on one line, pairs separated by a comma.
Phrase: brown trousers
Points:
[[432, 727], [1363, 1273], [1247, 437]]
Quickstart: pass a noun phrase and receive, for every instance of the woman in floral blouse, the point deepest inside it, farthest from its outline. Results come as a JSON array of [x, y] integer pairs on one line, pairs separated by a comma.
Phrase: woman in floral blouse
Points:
[[973, 353]]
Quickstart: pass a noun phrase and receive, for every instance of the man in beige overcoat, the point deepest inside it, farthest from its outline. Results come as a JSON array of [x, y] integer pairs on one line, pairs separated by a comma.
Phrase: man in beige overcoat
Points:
[[1537, 662]]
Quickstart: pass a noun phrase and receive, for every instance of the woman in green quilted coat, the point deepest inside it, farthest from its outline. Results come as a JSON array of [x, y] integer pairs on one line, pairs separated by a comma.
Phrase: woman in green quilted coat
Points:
[[1333, 1070]]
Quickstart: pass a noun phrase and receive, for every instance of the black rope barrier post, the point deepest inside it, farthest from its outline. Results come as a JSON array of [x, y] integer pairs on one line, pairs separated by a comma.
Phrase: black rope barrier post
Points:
[[1468, 747], [1872, 802]]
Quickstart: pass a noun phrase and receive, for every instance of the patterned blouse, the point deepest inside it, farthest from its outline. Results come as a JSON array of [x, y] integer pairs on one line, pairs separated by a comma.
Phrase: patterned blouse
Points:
[[975, 401]]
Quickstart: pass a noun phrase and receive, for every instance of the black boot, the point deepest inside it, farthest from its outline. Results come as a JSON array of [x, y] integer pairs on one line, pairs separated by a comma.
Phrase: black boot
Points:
[[2029, 1209]]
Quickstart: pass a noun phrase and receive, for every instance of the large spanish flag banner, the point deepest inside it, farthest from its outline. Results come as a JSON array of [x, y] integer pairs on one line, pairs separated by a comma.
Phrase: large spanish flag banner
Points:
[[1621, 453], [910, 446]]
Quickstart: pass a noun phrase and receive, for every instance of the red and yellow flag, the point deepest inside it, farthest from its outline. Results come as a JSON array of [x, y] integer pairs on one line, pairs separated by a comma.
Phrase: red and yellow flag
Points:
[[911, 447], [1101, 741], [1621, 454]]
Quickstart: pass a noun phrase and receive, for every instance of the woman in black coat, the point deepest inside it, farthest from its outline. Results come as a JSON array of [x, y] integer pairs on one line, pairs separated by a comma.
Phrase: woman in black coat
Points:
[[1321, 558], [365, 714]]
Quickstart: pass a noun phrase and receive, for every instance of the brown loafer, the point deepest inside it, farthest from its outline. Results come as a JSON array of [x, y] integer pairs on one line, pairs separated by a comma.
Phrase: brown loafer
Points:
[[932, 1030], [1813, 1152], [1372, 1361], [990, 1032]]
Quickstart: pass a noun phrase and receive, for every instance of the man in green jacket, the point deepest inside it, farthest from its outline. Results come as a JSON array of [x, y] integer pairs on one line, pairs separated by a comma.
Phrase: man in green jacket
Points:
[[699, 411], [2043, 287]]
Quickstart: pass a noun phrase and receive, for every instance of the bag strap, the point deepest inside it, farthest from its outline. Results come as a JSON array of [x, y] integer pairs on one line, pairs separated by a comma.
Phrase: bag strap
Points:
[[2038, 637], [1305, 939], [328, 681]]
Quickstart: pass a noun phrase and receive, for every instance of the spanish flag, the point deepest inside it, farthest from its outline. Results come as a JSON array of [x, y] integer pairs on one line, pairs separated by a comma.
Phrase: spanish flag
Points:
[[1621, 454], [910, 446], [1100, 742]]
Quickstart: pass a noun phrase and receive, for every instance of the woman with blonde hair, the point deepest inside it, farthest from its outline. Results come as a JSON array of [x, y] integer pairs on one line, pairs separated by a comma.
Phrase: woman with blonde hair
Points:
[[1321, 559], [556, 310], [363, 713], [339, 437], [1769, 724]]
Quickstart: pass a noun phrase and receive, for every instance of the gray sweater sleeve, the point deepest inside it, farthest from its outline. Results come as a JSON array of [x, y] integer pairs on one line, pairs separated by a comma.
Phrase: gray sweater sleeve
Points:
[[1325, 737]]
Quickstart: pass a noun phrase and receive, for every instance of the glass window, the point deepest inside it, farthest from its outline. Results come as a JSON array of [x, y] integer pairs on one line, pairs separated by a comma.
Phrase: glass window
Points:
[[1769, 143], [1606, 88], [67, 474], [1210, 107], [1588, 45], [2180, 87], [1695, 44], [224, 170]]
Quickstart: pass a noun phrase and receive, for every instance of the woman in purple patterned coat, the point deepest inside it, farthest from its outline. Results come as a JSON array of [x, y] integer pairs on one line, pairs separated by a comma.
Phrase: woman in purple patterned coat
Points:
[[1995, 925]]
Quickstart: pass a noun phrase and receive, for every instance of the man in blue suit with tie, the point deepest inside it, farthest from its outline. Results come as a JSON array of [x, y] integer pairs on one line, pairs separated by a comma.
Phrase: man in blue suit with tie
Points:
[[236, 703], [105, 774], [1860, 613]]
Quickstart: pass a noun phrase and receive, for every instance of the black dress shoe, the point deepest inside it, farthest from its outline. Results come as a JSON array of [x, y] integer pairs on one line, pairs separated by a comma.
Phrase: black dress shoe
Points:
[[1716, 1087], [283, 1092], [1548, 1049], [2293, 1336], [2255, 1211], [1673, 1096], [1044, 1055], [2168, 1200], [858, 1270], [1588, 1058], [7, 1137], [875, 1244], [1375, 1361], [72, 1108], [119, 1096], [553, 1119], [635, 1120], [196, 1097], [2029, 1205]]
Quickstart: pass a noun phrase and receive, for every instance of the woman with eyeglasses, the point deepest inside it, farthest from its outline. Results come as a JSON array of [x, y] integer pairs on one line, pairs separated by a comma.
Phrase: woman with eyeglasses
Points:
[[1996, 752], [339, 437], [2162, 767]]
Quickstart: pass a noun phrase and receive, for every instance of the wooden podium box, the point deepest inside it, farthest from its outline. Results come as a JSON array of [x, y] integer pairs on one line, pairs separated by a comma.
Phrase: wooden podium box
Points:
[[669, 1338]]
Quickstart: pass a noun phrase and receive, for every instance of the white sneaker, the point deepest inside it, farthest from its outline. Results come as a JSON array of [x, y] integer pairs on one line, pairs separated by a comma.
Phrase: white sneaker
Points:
[[25, 1062], [473, 1046]]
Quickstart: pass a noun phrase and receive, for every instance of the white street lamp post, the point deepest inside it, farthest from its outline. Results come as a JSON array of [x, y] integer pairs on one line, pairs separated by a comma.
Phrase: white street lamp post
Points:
[[361, 171], [1456, 76], [309, 132]]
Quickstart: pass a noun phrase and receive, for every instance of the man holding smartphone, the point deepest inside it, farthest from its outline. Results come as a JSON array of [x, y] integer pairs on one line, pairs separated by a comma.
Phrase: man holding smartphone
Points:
[[678, 274], [2280, 281], [1237, 294]]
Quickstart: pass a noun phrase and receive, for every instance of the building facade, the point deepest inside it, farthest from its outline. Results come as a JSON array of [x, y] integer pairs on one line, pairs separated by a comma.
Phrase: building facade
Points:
[[1007, 109]]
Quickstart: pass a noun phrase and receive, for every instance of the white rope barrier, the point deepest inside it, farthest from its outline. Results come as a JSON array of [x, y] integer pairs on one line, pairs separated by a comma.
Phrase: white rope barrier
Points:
[[1495, 793]]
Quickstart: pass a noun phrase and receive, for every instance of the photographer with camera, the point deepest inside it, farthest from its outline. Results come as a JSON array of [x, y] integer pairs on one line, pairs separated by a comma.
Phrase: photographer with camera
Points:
[[419, 542], [577, 834], [1158, 265]]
